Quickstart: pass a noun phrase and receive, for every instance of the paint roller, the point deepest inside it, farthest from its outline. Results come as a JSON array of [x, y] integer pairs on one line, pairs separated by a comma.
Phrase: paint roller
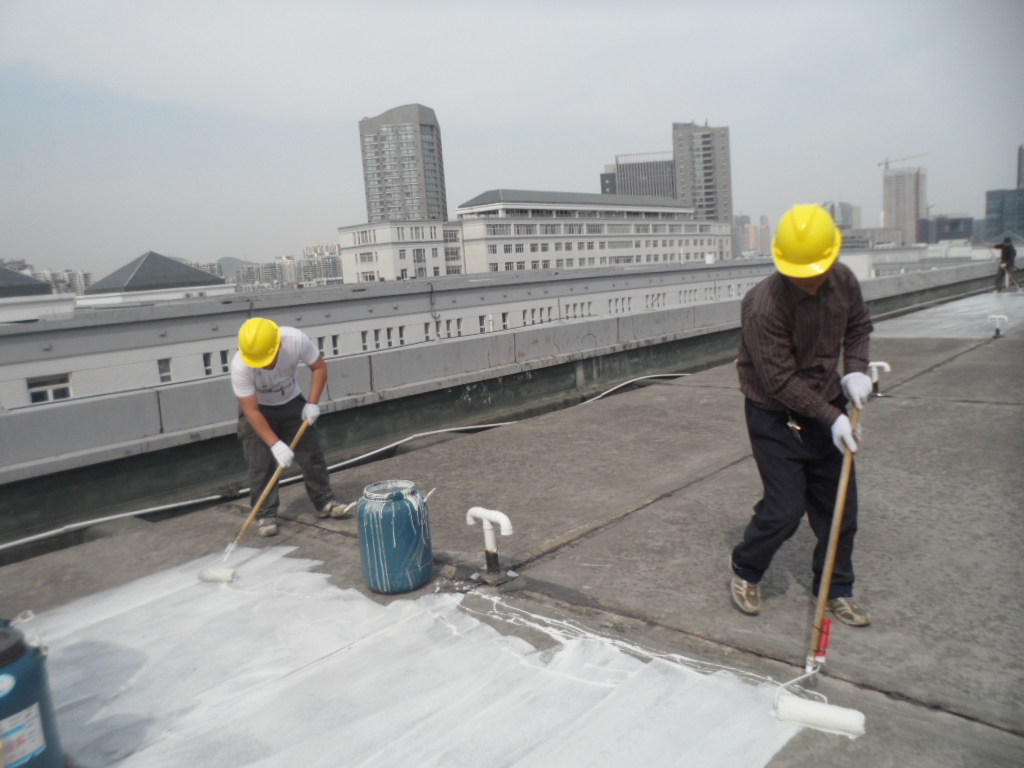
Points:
[[821, 715], [221, 573]]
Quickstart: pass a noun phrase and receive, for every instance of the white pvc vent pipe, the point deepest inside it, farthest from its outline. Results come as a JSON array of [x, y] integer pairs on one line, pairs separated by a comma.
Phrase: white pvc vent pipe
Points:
[[488, 519]]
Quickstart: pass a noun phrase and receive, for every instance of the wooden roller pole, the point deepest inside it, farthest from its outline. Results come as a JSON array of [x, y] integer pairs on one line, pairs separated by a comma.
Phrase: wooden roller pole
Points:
[[266, 491], [833, 544]]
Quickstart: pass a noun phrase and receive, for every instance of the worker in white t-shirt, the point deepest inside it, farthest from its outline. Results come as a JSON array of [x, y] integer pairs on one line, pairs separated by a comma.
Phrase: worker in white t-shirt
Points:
[[273, 409]]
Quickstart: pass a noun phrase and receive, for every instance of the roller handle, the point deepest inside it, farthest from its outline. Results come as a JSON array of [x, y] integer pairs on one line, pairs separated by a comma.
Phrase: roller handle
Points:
[[833, 545], [267, 490]]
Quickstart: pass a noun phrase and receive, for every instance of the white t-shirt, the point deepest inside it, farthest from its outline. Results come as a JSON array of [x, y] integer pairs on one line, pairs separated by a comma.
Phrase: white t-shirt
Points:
[[277, 385]]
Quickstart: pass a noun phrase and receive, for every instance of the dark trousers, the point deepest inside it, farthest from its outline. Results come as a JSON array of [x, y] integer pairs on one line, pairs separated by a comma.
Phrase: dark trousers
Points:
[[285, 420], [798, 476], [1003, 275]]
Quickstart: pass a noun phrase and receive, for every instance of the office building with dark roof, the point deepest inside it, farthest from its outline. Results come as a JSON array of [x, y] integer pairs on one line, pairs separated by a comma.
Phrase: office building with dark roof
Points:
[[513, 230]]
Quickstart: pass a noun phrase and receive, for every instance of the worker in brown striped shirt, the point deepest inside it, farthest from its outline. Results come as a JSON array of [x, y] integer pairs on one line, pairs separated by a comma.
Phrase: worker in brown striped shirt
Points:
[[799, 324]]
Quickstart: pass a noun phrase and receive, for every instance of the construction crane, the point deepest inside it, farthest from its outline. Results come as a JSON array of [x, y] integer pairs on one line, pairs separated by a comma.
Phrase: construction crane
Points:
[[900, 160]]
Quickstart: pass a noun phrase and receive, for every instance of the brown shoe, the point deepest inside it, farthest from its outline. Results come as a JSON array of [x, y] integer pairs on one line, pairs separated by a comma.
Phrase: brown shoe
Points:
[[848, 611], [746, 595]]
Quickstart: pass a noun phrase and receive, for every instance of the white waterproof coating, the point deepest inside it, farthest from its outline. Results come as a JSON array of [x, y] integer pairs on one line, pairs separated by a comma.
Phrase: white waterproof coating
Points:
[[282, 668], [277, 385]]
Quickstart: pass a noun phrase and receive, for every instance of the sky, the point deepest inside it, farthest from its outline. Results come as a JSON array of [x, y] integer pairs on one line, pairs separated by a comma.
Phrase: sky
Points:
[[203, 129]]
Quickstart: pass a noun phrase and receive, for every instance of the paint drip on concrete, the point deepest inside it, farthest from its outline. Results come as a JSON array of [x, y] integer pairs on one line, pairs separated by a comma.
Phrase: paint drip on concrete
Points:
[[282, 668]]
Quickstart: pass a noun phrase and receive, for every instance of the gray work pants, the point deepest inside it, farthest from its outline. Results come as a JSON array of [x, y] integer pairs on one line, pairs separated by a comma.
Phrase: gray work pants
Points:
[[285, 420]]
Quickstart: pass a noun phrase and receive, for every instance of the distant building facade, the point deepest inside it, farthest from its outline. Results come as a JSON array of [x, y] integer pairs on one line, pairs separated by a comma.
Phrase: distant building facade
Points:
[[515, 230], [872, 237], [288, 272], [741, 236], [904, 201], [752, 240], [321, 249], [703, 170], [608, 179], [403, 166], [214, 267], [1004, 212], [697, 172], [652, 173], [935, 229], [765, 241], [1020, 167], [400, 250], [845, 215], [66, 281]]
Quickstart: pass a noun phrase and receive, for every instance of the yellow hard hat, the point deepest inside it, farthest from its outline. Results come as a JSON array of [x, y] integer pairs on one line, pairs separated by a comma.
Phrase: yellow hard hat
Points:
[[806, 242], [258, 341]]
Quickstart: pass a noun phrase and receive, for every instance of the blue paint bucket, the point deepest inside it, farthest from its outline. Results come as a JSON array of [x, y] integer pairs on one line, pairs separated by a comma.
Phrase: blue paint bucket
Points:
[[28, 728], [394, 537]]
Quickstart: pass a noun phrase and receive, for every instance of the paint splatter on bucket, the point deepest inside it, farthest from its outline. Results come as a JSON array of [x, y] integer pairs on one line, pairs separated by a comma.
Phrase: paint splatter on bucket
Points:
[[28, 727], [394, 537]]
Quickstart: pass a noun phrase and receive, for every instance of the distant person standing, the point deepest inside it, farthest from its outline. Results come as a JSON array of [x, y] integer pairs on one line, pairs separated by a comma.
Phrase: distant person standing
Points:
[[273, 409], [1008, 254], [797, 325]]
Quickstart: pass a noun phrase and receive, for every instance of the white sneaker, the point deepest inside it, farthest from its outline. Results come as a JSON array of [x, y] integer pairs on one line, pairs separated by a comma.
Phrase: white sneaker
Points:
[[267, 526]]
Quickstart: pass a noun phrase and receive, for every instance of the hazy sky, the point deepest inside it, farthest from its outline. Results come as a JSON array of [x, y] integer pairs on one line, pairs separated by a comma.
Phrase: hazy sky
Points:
[[204, 129]]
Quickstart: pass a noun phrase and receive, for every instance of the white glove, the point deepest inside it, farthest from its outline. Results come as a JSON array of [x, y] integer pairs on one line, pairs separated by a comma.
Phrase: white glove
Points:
[[857, 388], [311, 412], [285, 456], [842, 434]]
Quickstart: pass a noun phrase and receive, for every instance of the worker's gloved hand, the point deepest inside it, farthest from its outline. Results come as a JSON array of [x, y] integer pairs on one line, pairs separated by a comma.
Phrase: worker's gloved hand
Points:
[[857, 388], [284, 455], [842, 434], [311, 412]]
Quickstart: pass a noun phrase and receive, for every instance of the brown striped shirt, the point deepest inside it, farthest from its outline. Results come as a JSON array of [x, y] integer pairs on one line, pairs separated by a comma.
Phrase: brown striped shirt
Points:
[[792, 342]]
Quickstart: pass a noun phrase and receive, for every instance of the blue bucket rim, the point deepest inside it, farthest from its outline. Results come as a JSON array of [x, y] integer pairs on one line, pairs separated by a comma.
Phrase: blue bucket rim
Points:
[[389, 490]]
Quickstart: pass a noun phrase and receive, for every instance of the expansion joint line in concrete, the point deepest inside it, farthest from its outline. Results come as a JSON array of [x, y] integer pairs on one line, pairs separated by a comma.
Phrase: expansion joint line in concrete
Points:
[[581, 533], [961, 402], [939, 365], [317, 527], [562, 595]]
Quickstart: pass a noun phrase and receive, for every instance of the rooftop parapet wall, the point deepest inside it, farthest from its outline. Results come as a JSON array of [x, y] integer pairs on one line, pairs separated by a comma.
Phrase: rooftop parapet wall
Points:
[[62, 436]]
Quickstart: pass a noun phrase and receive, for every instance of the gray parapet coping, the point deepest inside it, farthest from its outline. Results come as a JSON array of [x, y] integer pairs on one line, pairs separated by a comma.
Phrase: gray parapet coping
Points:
[[80, 433]]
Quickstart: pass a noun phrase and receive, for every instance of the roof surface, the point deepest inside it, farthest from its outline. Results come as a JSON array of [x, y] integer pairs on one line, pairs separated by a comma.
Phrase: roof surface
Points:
[[152, 271], [569, 198], [16, 284]]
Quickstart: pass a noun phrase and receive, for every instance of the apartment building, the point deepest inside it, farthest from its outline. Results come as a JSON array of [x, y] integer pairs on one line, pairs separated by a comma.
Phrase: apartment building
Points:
[[904, 201], [403, 166], [703, 170]]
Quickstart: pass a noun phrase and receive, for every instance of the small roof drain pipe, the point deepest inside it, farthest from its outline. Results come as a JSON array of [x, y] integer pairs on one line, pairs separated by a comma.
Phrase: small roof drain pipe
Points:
[[873, 369], [1000, 319], [488, 519]]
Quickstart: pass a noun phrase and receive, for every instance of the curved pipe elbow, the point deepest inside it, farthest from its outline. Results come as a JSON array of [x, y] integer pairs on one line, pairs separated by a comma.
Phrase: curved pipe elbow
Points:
[[489, 516]]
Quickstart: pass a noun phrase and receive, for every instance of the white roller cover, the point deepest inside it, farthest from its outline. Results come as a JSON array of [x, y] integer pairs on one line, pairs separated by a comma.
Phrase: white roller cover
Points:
[[820, 716]]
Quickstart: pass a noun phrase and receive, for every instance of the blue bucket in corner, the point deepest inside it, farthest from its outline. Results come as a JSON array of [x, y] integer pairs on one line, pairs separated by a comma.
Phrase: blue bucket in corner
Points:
[[28, 727], [394, 537]]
